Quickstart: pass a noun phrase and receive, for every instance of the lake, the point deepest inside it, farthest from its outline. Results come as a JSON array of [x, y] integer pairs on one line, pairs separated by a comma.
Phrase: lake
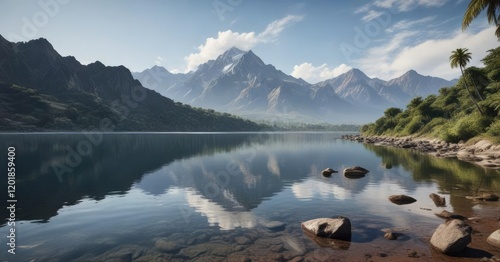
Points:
[[224, 196]]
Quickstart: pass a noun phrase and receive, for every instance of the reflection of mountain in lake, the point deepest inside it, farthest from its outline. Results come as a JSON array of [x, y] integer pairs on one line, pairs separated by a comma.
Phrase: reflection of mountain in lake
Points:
[[111, 167], [226, 172], [240, 180]]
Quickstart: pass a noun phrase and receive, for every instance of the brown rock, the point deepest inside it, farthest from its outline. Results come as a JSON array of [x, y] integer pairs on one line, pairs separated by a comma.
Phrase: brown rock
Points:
[[328, 172], [413, 254], [438, 200], [390, 236], [402, 199], [448, 215], [355, 172]]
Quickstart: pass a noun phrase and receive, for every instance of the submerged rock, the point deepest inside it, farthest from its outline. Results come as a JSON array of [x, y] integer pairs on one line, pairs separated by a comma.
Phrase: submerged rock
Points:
[[273, 225], [448, 215], [335, 228], [438, 200], [494, 239], [487, 197], [386, 165], [402, 199], [166, 246], [451, 237]]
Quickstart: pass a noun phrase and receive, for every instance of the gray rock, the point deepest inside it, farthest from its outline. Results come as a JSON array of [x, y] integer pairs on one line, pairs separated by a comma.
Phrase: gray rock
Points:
[[402, 199], [494, 239], [335, 228], [438, 200], [166, 246], [452, 236]]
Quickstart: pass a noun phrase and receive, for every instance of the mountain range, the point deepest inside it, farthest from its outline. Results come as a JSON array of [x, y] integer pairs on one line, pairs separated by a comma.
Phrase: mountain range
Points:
[[239, 82], [40, 90]]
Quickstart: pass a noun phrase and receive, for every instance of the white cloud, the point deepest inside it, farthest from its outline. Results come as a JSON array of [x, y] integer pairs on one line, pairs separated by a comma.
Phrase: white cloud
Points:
[[371, 14], [429, 57], [407, 5], [363, 9], [314, 74], [406, 24], [310, 188], [158, 60], [273, 29], [395, 6], [213, 47], [217, 215]]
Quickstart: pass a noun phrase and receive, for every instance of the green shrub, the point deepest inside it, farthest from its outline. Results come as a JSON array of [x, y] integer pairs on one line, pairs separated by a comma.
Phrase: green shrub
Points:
[[466, 128], [434, 125], [494, 129], [414, 125]]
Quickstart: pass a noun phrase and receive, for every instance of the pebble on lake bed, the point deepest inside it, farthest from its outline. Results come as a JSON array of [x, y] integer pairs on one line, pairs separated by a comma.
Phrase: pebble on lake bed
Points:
[[390, 236]]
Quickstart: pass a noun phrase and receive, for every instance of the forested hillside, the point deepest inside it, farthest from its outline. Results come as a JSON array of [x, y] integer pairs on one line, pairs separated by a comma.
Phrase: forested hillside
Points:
[[469, 109]]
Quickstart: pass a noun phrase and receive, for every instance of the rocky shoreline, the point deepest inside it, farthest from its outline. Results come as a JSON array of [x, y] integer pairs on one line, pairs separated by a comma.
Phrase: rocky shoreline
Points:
[[482, 153]]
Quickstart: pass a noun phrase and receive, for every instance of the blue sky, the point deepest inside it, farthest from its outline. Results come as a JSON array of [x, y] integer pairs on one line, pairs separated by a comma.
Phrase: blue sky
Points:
[[312, 39]]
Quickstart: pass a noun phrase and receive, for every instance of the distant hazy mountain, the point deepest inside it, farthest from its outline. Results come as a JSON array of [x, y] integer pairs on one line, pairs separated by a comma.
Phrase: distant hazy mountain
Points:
[[41, 90], [239, 82], [160, 79], [357, 88], [412, 84]]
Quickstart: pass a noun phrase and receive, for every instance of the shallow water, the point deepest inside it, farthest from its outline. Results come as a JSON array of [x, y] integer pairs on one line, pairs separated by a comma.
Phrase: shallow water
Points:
[[212, 196]]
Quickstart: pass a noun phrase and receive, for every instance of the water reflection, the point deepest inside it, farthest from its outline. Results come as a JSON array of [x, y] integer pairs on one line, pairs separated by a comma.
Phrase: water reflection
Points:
[[134, 188], [51, 175], [449, 173]]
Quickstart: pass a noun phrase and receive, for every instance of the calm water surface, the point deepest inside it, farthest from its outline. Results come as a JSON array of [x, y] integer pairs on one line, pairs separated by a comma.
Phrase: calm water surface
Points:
[[219, 196]]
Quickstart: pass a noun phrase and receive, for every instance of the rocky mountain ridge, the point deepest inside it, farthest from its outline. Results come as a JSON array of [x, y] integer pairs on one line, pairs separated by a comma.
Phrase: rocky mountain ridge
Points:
[[239, 82]]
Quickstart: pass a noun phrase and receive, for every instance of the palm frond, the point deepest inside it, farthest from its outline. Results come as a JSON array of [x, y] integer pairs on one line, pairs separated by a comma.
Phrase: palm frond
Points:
[[473, 10]]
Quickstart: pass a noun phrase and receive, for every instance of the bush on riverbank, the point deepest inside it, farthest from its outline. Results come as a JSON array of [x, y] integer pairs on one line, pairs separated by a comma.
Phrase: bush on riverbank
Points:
[[450, 115]]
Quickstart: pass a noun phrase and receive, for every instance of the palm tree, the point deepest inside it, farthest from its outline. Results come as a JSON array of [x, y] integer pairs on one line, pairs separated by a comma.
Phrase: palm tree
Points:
[[460, 58], [492, 11]]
